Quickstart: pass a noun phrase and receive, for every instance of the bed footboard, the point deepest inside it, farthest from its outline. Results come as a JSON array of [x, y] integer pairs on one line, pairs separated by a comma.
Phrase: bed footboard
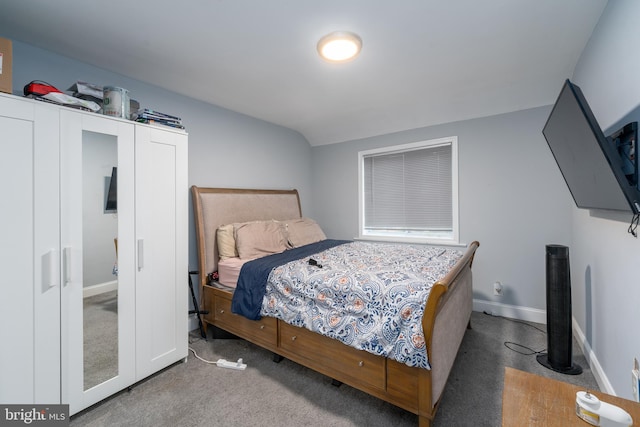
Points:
[[444, 324], [448, 331]]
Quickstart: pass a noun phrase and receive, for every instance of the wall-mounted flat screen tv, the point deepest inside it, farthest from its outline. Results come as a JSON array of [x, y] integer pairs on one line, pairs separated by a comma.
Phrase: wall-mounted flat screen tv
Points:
[[600, 173]]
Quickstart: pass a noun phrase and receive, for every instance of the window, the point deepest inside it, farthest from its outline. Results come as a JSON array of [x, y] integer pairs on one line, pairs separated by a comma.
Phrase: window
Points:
[[410, 192]]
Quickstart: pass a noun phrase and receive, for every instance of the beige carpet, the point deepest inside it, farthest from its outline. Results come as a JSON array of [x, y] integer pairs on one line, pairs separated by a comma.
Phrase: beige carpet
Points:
[[100, 338], [286, 394]]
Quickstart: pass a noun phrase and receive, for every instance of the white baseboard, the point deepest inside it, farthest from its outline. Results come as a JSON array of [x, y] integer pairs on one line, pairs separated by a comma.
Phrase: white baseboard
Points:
[[100, 288], [193, 323], [592, 360], [511, 311], [540, 316]]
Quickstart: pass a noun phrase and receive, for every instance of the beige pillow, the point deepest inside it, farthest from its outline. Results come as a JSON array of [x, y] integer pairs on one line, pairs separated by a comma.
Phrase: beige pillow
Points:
[[259, 238], [303, 231], [226, 242]]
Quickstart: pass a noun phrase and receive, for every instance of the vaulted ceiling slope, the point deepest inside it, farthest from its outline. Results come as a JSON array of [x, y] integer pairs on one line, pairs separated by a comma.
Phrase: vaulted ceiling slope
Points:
[[423, 62]]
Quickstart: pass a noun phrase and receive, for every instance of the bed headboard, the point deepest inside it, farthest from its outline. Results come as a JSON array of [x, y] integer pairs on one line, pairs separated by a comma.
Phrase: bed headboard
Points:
[[213, 207]]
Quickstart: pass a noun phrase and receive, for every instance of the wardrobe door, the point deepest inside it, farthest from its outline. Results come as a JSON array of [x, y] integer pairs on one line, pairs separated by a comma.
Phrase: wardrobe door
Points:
[[161, 233], [98, 277], [29, 254]]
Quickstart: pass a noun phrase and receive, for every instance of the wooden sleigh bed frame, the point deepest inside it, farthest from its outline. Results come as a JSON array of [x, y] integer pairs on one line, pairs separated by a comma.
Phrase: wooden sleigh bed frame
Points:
[[446, 316]]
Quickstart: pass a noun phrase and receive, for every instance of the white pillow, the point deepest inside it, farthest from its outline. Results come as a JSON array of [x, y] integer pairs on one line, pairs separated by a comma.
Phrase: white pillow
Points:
[[226, 242]]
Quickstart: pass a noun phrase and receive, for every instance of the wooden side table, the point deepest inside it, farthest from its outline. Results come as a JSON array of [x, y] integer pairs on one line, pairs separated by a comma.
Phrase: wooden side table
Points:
[[532, 400]]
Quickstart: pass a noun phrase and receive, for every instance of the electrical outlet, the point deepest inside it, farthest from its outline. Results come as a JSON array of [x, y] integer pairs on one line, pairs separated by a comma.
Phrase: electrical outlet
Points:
[[497, 289]]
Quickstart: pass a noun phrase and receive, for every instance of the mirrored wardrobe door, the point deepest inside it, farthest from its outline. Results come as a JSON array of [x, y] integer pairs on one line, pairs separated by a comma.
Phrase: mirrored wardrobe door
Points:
[[97, 240], [99, 258]]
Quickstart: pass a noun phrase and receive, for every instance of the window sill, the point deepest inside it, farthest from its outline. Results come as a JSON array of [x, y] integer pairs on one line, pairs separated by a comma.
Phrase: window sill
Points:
[[411, 240]]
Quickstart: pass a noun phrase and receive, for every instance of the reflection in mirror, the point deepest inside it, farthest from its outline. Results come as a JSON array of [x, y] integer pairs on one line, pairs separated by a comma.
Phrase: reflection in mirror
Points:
[[99, 265]]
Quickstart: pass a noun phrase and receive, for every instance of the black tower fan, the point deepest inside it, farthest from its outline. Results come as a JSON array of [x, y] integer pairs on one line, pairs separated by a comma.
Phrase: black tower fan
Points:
[[559, 336]]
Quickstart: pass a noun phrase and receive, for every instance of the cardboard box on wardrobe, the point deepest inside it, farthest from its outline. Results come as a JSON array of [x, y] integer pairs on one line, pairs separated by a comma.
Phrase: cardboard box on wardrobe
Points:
[[6, 59]]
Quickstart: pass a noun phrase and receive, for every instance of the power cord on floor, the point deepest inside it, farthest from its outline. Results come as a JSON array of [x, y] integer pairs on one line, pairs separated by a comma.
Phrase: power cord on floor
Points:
[[221, 363], [508, 344], [202, 359], [529, 352], [194, 338]]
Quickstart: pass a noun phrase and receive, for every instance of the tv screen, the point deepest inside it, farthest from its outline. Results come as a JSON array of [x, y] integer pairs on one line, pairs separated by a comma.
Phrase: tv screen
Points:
[[590, 162], [112, 194]]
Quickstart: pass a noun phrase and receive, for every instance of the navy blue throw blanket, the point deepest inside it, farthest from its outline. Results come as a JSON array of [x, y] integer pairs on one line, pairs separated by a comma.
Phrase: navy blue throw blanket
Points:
[[252, 282]]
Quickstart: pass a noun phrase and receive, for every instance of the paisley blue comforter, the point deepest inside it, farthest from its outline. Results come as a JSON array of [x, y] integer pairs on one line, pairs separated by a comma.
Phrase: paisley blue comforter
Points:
[[370, 296]]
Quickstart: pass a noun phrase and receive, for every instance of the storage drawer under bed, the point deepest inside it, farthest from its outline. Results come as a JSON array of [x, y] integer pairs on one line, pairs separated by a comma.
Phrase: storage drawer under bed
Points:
[[263, 332], [329, 355]]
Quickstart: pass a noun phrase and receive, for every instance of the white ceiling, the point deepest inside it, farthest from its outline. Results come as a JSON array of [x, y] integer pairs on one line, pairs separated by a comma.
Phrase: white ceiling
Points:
[[423, 62]]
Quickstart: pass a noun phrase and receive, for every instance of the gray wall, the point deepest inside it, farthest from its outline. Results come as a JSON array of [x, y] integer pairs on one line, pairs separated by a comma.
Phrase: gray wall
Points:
[[226, 149], [512, 197], [605, 258]]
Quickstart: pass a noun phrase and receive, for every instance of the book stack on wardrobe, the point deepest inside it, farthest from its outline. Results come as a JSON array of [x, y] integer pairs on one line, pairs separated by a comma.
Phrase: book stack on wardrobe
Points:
[[156, 117]]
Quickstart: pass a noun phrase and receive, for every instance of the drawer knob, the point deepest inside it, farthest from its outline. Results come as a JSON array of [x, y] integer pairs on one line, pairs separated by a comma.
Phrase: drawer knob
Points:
[[361, 363], [221, 311], [261, 326], [293, 338]]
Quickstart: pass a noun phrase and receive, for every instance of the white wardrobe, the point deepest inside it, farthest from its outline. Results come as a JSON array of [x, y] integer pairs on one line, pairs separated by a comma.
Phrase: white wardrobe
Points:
[[91, 301]]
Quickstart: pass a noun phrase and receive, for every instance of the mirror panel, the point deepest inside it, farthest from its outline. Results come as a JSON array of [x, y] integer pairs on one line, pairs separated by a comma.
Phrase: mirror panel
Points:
[[99, 265]]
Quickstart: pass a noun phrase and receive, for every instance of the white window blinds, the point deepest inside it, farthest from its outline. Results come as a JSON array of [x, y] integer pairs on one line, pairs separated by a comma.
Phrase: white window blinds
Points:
[[409, 191]]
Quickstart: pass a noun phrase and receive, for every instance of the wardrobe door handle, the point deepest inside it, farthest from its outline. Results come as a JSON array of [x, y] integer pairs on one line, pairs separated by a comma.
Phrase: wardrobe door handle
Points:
[[66, 255], [140, 254], [52, 274]]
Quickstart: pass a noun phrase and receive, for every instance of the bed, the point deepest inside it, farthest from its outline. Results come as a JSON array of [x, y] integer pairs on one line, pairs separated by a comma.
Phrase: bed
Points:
[[409, 385]]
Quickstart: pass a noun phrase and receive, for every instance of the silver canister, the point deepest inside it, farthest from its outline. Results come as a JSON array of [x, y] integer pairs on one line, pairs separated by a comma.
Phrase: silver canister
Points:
[[115, 102]]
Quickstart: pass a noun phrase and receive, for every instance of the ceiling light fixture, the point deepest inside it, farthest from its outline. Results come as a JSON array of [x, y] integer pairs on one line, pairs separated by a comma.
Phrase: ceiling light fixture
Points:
[[339, 46]]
